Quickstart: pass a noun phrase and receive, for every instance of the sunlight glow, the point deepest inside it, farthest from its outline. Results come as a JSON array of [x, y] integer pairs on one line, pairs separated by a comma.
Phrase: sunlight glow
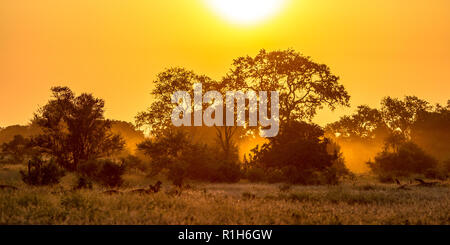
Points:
[[246, 11]]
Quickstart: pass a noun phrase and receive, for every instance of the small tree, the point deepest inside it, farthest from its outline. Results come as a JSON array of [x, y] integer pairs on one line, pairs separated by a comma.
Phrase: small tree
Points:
[[74, 129], [365, 125]]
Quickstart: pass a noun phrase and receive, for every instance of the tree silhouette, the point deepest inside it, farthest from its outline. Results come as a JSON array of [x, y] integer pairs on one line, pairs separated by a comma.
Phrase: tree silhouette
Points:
[[303, 85], [400, 115], [17, 149], [74, 129], [366, 124]]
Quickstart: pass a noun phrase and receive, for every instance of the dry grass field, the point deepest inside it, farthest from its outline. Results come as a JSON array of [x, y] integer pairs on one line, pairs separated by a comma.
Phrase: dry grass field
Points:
[[359, 201]]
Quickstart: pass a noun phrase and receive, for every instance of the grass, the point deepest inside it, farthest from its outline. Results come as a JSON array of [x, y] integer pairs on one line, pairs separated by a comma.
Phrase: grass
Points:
[[362, 201]]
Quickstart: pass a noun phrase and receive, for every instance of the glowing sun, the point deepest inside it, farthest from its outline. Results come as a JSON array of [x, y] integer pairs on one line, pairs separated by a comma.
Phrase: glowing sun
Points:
[[246, 11]]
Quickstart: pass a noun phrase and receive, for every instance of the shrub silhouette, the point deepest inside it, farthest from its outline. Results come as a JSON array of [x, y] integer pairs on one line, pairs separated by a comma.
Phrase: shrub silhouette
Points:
[[74, 129], [175, 152], [104, 172], [299, 154], [407, 158], [42, 172], [83, 183], [228, 171]]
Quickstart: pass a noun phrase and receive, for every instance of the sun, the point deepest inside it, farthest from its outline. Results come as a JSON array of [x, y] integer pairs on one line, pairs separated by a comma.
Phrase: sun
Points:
[[246, 11]]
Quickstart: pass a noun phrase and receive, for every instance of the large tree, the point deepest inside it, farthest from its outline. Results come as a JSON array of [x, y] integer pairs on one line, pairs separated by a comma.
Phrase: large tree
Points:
[[304, 86], [74, 129]]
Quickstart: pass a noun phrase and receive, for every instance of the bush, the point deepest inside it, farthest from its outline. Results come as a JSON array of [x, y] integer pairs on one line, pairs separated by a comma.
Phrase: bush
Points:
[[133, 162], [300, 155], [407, 159], [42, 172], [256, 174], [201, 165], [83, 183], [104, 172], [228, 171]]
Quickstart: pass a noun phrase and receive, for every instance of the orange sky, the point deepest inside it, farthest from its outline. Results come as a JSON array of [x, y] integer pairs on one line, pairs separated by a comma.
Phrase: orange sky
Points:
[[114, 48]]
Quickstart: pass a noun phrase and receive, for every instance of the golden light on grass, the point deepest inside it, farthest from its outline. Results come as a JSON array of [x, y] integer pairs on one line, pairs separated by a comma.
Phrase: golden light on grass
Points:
[[246, 11]]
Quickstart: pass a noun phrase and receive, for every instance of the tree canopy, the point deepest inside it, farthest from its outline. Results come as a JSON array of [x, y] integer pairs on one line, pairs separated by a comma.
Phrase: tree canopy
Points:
[[304, 86], [74, 129]]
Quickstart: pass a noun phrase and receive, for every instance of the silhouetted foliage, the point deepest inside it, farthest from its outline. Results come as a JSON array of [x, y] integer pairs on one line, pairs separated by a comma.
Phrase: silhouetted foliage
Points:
[[158, 116], [110, 174], [16, 150], [132, 162], [394, 141], [74, 129], [105, 172], [227, 171], [8, 133], [83, 183], [446, 166], [175, 152], [303, 85], [42, 172], [365, 125], [431, 131], [255, 174], [400, 115], [299, 155], [403, 160], [129, 133]]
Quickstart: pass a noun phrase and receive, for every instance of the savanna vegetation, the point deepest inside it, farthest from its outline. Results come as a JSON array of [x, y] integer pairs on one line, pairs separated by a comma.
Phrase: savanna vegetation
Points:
[[72, 165]]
